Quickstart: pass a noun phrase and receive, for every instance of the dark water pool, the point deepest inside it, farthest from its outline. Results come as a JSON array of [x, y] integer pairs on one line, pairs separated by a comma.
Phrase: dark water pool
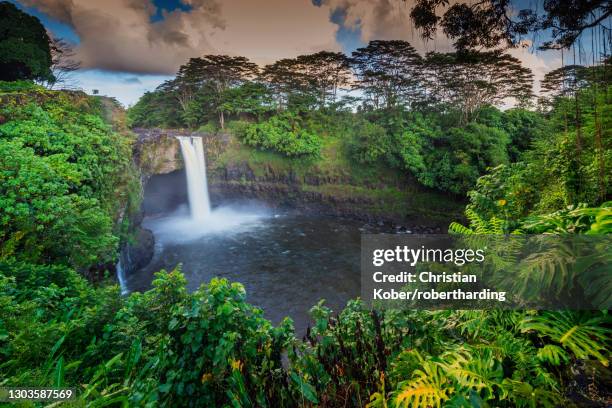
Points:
[[286, 261]]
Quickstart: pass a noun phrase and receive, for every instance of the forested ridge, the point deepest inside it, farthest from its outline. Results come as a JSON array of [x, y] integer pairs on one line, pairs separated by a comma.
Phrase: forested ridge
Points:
[[68, 189]]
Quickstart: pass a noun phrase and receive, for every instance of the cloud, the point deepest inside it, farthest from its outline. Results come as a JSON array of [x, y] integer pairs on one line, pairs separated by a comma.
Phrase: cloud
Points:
[[390, 20], [120, 35], [385, 20], [539, 62], [125, 87]]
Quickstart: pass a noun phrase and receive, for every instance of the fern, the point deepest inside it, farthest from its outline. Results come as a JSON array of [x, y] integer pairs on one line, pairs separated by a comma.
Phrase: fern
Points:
[[457, 228], [574, 219], [548, 268], [478, 225], [603, 220]]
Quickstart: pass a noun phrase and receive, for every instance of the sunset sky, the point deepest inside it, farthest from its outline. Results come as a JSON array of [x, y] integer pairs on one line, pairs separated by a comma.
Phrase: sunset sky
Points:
[[130, 46]]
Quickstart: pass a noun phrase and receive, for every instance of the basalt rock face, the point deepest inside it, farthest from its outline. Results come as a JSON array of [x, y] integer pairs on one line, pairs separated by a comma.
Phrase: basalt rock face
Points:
[[237, 172], [139, 253], [157, 151]]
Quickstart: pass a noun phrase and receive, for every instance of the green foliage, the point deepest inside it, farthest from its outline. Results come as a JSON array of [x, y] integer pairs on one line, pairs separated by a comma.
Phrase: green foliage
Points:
[[251, 99], [167, 347], [154, 109], [282, 134], [578, 219], [63, 178], [220, 349], [560, 181], [370, 143], [466, 154], [584, 334], [437, 154], [209, 347], [17, 86], [24, 46]]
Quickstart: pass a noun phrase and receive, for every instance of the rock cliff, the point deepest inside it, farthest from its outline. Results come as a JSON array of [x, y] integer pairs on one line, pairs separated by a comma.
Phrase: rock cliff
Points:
[[238, 171]]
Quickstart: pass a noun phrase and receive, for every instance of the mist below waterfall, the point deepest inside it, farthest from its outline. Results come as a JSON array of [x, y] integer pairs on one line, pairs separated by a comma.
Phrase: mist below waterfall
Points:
[[180, 226], [200, 219]]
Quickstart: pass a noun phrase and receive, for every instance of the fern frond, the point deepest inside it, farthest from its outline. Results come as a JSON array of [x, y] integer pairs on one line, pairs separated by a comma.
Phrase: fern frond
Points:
[[474, 369], [457, 228]]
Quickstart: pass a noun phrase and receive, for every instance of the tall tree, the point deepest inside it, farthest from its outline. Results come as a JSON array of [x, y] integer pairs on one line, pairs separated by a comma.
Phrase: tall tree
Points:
[[285, 79], [325, 72], [24, 46], [470, 80], [213, 75], [567, 80], [251, 98], [318, 75], [388, 73]]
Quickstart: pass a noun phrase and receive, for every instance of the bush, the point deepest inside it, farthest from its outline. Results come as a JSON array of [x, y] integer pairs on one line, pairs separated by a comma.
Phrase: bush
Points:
[[64, 176], [459, 156], [212, 348], [17, 86], [370, 143], [282, 134], [208, 128]]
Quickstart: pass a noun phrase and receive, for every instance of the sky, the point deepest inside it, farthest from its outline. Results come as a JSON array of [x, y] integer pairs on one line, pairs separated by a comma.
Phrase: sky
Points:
[[128, 47]]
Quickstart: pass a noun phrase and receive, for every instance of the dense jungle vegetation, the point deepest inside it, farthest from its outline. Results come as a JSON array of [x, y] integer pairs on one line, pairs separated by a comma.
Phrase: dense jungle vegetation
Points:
[[67, 188]]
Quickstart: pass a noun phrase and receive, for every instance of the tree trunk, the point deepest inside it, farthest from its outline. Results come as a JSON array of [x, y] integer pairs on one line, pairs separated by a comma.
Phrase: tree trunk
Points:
[[578, 124], [221, 120]]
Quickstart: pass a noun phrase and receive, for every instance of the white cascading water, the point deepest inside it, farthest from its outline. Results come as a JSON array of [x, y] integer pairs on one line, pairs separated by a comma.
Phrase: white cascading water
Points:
[[197, 184], [227, 218], [121, 278]]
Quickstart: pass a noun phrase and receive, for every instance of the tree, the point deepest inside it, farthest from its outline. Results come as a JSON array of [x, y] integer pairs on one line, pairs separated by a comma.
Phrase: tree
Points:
[[155, 109], [24, 46], [251, 98], [212, 75], [494, 23], [63, 62], [388, 72], [285, 78], [469, 80], [326, 72], [567, 80], [318, 75]]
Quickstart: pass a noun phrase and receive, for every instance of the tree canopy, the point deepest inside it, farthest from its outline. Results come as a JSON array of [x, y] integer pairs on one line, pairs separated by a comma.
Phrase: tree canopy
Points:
[[495, 23], [24, 46]]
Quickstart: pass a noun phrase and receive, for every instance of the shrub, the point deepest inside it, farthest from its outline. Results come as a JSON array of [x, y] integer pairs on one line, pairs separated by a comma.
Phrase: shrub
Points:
[[282, 134], [64, 177], [370, 143]]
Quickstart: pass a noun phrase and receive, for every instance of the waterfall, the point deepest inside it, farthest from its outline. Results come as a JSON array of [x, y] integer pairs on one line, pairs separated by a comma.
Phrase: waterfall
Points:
[[121, 278], [197, 184]]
